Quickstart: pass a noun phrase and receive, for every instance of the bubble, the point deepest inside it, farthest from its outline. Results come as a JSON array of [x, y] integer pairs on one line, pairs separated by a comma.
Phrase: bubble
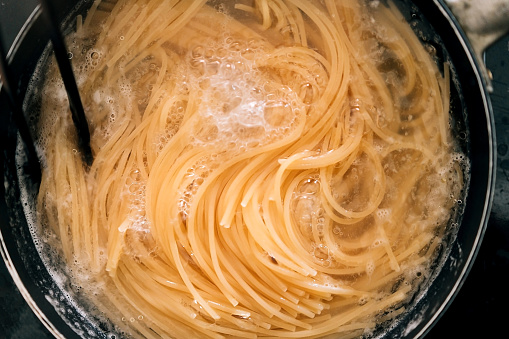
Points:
[[309, 186], [198, 65], [228, 70], [248, 53], [383, 213], [277, 113], [306, 93], [363, 300], [135, 174], [337, 230], [370, 267], [198, 52], [321, 252], [133, 188], [377, 243]]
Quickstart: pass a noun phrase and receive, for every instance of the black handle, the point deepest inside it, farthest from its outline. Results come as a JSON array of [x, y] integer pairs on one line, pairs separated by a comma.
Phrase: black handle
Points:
[[77, 111]]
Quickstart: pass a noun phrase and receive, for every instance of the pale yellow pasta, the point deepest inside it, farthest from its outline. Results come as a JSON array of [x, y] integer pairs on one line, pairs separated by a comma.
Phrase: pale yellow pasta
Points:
[[265, 168]]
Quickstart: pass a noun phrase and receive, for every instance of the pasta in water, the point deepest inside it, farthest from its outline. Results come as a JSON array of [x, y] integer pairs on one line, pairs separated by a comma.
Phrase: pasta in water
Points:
[[265, 168]]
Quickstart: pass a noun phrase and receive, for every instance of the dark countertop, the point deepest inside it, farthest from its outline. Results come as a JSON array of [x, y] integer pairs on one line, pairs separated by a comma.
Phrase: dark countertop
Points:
[[482, 303]]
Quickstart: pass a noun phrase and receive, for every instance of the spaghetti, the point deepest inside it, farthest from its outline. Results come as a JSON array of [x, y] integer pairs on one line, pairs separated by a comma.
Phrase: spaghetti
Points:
[[269, 168]]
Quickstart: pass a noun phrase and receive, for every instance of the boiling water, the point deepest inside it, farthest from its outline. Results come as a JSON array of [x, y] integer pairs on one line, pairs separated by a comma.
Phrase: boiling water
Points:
[[238, 107]]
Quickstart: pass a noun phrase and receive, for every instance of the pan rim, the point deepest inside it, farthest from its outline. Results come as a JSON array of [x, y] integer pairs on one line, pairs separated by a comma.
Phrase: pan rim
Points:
[[488, 200], [491, 177]]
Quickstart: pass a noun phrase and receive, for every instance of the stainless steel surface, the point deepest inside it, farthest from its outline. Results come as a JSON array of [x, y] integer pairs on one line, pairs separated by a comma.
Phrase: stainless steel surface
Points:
[[484, 22]]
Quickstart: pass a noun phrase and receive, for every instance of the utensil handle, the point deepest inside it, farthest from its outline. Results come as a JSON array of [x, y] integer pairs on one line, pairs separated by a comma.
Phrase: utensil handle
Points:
[[484, 22], [66, 72]]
